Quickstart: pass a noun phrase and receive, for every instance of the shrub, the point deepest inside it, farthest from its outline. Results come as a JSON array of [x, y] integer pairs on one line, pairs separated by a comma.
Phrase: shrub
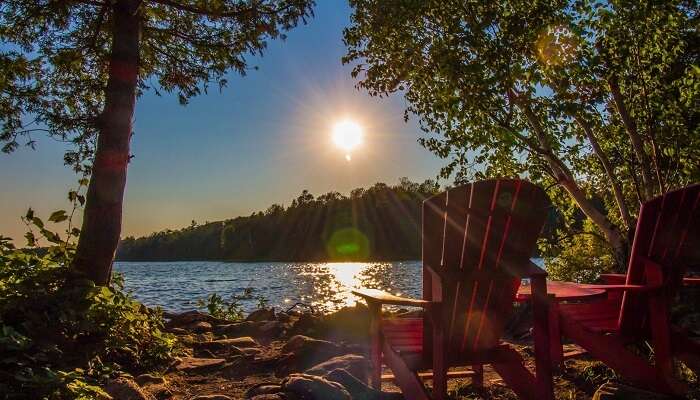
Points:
[[61, 335]]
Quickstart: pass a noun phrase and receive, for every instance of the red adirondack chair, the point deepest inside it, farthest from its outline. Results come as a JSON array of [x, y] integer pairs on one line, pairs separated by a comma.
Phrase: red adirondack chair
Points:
[[477, 244], [666, 241]]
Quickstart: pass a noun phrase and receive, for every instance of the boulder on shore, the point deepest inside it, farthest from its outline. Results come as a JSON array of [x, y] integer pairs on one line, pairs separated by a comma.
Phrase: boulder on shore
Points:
[[245, 328], [314, 388], [354, 364], [149, 379], [263, 314], [196, 365], [359, 389], [302, 352], [125, 389]]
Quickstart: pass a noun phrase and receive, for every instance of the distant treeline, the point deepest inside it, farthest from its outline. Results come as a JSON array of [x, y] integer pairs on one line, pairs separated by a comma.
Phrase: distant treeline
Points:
[[378, 223]]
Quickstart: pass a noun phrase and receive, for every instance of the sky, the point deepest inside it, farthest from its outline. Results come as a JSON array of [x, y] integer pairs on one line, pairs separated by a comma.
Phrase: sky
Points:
[[262, 140]]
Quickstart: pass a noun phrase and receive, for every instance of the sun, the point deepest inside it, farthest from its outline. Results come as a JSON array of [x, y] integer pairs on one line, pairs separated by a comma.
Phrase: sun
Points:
[[347, 135]]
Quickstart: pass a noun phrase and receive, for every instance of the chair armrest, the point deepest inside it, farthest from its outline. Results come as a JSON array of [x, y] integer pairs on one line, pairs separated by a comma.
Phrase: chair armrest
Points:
[[625, 288], [691, 281], [380, 297], [613, 279]]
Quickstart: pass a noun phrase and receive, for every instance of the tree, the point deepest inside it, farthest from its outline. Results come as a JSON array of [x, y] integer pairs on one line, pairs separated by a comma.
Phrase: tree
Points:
[[73, 69], [596, 100]]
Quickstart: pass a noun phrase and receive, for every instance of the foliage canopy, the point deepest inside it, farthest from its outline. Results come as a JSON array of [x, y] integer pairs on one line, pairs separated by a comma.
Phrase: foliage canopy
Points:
[[55, 57], [597, 101]]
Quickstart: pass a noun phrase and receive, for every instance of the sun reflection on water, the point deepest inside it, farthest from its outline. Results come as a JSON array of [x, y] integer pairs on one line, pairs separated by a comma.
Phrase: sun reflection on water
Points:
[[331, 283]]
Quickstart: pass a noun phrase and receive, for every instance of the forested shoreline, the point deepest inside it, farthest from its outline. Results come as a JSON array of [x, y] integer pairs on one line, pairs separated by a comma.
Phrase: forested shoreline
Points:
[[379, 223]]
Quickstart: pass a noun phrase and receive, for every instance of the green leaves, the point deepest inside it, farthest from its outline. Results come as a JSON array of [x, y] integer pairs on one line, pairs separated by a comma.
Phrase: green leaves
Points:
[[55, 58], [58, 216], [523, 88], [48, 312]]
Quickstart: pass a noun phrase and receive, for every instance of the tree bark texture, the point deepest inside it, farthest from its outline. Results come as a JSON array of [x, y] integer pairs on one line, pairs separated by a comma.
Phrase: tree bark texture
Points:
[[103, 208]]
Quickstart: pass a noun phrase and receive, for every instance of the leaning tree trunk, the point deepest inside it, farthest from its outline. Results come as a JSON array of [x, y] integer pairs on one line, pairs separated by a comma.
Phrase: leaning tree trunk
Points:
[[102, 218]]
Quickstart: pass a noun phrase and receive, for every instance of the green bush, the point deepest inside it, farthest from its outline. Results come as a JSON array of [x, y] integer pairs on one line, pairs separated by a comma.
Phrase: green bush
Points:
[[61, 335], [231, 309], [581, 257]]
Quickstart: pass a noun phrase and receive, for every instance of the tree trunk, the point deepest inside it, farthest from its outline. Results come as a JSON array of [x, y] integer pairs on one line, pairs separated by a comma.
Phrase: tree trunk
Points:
[[635, 138], [102, 218], [609, 170], [566, 179]]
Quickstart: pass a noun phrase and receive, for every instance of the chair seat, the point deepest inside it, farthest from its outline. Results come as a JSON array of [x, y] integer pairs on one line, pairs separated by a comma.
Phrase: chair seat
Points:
[[405, 337], [599, 316]]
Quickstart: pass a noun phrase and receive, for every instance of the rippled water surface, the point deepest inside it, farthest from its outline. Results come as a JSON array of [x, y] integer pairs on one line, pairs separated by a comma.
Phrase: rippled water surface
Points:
[[176, 286]]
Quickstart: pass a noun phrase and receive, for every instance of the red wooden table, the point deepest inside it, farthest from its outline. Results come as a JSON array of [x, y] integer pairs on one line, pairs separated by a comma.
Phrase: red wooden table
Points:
[[563, 291]]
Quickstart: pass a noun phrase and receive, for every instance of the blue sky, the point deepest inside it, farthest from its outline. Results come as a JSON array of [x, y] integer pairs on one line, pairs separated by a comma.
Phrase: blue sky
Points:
[[262, 140]]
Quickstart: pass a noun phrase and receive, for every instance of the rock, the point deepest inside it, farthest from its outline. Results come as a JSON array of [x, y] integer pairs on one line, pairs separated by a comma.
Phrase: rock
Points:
[[616, 391], [189, 317], [358, 389], [198, 327], [263, 314], [283, 317], [212, 397], [271, 329], [178, 331], [300, 344], [354, 364], [307, 323], [194, 365], [349, 324], [161, 392], [262, 388], [252, 351], [125, 389], [244, 342], [314, 388], [148, 379], [239, 328], [204, 353], [229, 346], [275, 396], [303, 352]]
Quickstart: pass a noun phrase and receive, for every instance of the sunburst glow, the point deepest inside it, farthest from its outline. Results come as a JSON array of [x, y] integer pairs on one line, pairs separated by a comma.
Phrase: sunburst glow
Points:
[[347, 135]]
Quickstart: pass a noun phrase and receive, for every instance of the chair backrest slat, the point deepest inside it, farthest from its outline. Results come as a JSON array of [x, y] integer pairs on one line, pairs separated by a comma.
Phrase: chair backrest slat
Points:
[[478, 238], [667, 232]]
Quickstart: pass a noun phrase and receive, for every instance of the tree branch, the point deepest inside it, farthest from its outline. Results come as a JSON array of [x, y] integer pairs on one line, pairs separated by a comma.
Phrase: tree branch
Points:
[[213, 13], [609, 170], [637, 143], [566, 179]]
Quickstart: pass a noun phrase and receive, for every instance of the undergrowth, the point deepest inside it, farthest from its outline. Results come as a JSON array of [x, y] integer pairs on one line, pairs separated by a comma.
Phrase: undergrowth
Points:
[[60, 335]]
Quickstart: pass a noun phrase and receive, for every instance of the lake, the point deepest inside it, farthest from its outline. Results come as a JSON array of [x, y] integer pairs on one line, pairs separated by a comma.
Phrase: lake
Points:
[[176, 286]]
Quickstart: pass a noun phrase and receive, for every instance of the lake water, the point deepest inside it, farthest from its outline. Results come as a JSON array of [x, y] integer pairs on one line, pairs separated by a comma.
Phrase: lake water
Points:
[[176, 286]]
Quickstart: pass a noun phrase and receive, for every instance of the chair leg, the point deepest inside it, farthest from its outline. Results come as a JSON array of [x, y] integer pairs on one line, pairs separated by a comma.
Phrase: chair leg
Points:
[[612, 352], [409, 382], [541, 316], [439, 360], [478, 378], [375, 346], [512, 369], [556, 348], [686, 349], [661, 340]]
